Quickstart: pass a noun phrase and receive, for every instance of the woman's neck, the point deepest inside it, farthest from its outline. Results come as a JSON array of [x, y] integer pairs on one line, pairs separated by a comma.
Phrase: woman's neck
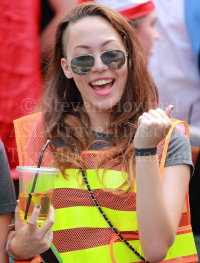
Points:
[[99, 121]]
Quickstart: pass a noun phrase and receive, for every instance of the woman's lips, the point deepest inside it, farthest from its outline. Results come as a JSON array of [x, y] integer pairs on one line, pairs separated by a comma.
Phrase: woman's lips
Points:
[[104, 89]]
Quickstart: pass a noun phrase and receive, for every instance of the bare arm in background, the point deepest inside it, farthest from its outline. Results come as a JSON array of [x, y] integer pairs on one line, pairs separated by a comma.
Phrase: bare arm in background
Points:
[[61, 9], [4, 222]]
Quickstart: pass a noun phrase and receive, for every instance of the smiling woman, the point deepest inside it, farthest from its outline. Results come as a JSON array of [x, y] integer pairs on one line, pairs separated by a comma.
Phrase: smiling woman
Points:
[[95, 88], [105, 131]]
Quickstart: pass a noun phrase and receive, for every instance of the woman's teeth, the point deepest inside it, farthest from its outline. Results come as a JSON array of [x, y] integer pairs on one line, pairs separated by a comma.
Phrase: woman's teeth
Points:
[[101, 82]]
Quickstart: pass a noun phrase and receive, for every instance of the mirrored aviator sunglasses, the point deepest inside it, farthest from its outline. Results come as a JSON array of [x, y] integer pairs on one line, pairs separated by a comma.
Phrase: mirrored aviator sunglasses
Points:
[[114, 59]]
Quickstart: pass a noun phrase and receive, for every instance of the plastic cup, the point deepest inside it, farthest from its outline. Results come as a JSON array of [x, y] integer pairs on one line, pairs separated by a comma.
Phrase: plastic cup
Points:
[[44, 178]]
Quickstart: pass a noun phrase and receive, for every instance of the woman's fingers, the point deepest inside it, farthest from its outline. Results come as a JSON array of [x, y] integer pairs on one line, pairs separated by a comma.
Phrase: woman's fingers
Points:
[[153, 117], [142, 120], [33, 240], [148, 116], [168, 122], [158, 114], [144, 124], [49, 237], [49, 223], [18, 222], [17, 212], [155, 114], [158, 117], [148, 120], [153, 127], [33, 219], [162, 113]]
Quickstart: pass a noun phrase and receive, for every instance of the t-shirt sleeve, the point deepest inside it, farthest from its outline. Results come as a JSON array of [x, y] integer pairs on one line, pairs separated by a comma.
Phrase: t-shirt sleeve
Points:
[[7, 191], [179, 150]]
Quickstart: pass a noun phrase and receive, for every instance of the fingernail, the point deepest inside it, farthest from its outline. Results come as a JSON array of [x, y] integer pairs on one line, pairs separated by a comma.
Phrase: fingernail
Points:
[[37, 206]]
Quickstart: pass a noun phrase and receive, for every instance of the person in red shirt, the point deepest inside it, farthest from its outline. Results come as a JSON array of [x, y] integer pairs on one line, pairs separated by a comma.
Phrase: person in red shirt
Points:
[[20, 77]]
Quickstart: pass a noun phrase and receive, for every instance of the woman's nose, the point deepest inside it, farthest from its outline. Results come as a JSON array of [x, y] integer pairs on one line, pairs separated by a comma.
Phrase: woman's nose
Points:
[[98, 64]]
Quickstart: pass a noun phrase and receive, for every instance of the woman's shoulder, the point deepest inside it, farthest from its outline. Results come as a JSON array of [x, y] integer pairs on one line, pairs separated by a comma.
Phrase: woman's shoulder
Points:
[[179, 149], [178, 138]]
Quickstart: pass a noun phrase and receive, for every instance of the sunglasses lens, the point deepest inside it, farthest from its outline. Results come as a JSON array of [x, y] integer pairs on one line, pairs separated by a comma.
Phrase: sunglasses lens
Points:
[[113, 59], [82, 65]]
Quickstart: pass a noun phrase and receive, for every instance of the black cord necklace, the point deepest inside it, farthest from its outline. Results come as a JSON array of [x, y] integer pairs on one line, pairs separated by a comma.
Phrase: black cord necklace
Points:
[[106, 219]]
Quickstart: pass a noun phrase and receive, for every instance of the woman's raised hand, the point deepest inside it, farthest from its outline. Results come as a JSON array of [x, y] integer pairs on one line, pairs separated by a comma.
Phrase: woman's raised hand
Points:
[[31, 240], [153, 127]]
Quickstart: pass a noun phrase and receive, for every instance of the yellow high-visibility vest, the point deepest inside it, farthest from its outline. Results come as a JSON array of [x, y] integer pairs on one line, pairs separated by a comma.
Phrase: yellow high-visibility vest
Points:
[[80, 232]]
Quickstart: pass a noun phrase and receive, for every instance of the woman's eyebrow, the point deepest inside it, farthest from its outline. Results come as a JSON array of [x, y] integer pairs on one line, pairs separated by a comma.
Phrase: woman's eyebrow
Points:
[[108, 41], [103, 44], [82, 46]]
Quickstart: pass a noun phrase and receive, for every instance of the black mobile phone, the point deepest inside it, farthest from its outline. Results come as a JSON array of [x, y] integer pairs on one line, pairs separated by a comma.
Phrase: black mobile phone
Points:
[[51, 255]]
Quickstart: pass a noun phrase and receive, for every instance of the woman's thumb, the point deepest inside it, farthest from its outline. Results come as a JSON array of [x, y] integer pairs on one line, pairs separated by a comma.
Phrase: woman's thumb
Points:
[[168, 110]]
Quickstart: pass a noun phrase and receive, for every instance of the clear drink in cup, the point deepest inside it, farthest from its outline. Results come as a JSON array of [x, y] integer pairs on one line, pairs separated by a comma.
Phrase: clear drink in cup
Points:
[[43, 178]]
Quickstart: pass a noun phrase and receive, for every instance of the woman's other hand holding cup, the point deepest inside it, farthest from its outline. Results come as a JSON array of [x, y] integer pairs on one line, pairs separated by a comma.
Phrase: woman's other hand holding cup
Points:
[[31, 240]]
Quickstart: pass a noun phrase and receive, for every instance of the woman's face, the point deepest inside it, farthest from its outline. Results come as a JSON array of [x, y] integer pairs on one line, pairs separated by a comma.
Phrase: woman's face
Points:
[[147, 33], [102, 87]]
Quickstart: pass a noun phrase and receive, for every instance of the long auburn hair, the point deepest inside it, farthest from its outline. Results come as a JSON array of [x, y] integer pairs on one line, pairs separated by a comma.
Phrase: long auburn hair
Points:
[[63, 104]]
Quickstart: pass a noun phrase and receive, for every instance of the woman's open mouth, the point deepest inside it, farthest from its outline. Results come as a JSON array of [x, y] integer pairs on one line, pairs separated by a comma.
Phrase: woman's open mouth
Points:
[[102, 87]]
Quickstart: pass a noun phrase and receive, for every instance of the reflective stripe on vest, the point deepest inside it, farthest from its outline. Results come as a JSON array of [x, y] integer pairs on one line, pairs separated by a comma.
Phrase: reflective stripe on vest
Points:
[[183, 249], [76, 181]]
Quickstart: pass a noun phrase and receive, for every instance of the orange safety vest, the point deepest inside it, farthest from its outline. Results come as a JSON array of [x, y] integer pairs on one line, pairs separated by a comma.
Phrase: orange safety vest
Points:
[[80, 232]]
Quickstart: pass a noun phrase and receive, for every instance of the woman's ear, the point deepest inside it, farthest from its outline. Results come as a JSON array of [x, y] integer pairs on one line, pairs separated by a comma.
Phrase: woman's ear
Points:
[[66, 68]]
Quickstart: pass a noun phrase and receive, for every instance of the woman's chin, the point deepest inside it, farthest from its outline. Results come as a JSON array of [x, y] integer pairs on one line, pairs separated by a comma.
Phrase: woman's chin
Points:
[[103, 106]]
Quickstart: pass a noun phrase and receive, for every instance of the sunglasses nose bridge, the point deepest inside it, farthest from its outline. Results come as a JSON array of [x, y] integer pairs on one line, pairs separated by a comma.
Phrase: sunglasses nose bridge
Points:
[[98, 63]]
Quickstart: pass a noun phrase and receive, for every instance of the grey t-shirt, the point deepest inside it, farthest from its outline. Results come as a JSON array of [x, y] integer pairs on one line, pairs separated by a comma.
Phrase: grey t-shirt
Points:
[[7, 191], [179, 149]]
